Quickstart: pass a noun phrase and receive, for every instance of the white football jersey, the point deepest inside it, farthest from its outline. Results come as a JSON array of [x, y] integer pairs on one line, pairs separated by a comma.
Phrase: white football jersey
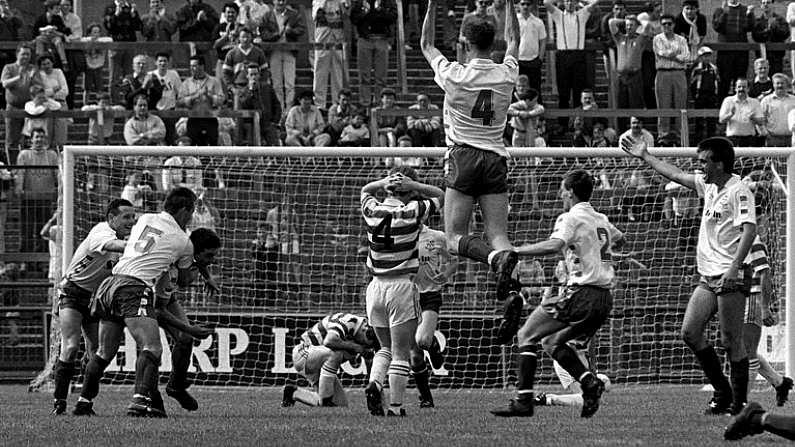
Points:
[[91, 263], [588, 236], [476, 100], [155, 243], [725, 212], [435, 260]]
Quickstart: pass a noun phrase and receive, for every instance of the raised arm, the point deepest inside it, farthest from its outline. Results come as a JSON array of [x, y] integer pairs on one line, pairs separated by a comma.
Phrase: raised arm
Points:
[[638, 149], [428, 30], [511, 30]]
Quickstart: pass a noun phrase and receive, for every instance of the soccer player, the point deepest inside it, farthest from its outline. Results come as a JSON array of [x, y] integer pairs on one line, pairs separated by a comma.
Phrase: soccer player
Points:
[[324, 347], [91, 264], [476, 101], [753, 420], [393, 229], [757, 314], [728, 228], [585, 237], [436, 268], [126, 299]]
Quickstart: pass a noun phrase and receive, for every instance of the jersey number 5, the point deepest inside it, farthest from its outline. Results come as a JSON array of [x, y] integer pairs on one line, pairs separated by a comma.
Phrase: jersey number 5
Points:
[[147, 239], [482, 108], [604, 238], [382, 233]]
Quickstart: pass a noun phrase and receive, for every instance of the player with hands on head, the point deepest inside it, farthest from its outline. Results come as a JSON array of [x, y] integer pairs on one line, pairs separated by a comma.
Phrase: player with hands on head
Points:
[[727, 231], [323, 348]]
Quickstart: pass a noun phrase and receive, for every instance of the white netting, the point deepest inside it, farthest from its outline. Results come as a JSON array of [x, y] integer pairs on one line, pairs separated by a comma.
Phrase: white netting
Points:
[[308, 259]]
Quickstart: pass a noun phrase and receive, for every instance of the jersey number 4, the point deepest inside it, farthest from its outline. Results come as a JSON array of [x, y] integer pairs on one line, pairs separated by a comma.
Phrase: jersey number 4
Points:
[[482, 108], [382, 233], [147, 239]]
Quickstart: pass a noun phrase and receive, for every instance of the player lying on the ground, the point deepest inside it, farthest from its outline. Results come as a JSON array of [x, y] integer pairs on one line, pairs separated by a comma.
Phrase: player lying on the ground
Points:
[[436, 268], [584, 348], [753, 420], [334, 340], [91, 264]]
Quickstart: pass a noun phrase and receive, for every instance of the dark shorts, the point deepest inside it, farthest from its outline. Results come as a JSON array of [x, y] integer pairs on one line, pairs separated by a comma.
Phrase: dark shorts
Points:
[[584, 308], [71, 296], [116, 300], [475, 172], [715, 285], [431, 301]]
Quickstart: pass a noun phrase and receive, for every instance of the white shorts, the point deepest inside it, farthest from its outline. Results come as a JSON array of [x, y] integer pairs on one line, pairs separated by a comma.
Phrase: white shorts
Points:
[[392, 301], [307, 361], [565, 378]]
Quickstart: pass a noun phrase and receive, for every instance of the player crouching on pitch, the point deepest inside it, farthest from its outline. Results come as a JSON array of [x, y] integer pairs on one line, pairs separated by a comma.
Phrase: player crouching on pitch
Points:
[[318, 358]]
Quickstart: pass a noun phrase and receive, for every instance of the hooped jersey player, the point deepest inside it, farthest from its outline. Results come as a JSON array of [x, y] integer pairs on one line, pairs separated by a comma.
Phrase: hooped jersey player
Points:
[[588, 235], [436, 263], [476, 100], [91, 263], [348, 326]]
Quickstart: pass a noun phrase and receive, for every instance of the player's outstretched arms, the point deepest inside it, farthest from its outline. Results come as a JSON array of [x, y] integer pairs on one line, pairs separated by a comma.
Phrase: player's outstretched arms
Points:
[[511, 31], [116, 246], [548, 247], [429, 50], [637, 148]]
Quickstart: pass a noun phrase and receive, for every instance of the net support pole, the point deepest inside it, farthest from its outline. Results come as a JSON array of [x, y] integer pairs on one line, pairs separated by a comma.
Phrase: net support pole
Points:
[[68, 208], [790, 266]]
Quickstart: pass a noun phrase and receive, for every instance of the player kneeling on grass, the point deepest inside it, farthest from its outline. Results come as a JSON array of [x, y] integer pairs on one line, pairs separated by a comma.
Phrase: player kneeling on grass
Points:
[[585, 237], [332, 341], [436, 267], [393, 230], [90, 265], [583, 347]]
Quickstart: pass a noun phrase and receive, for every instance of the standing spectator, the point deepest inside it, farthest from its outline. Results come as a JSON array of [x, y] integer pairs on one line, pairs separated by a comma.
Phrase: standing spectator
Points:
[[593, 38], [205, 215], [11, 30], [53, 81], [196, 22], [225, 35], [375, 22], [524, 116], [692, 25], [104, 105], [76, 59], [571, 76], [704, 81], [650, 21], [617, 11], [304, 123], [6, 182], [260, 96], [670, 85], [498, 10], [282, 62], [140, 82], [16, 79], [629, 56], [169, 85], [157, 25], [50, 42], [37, 188], [390, 128], [741, 114], [327, 15], [122, 21], [732, 23], [95, 61], [791, 23], [762, 85], [256, 14], [339, 115], [239, 57], [144, 129], [532, 45], [201, 93], [775, 109], [356, 133], [36, 110], [769, 27], [425, 130]]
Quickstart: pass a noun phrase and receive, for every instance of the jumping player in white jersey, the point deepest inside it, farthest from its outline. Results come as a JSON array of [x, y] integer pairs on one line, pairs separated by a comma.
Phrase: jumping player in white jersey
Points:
[[127, 299], [585, 238], [436, 268], [728, 229], [476, 101], [91, 264]]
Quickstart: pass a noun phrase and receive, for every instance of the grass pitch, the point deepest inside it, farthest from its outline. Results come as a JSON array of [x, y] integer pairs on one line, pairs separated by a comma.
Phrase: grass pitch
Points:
[[629, 416]]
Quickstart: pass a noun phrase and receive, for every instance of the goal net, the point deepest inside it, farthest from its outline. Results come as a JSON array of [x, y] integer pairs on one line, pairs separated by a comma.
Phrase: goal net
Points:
[[294, 249]]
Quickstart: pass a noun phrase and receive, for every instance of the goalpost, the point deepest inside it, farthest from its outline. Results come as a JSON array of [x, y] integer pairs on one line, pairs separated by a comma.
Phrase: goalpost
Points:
[[292, 251]]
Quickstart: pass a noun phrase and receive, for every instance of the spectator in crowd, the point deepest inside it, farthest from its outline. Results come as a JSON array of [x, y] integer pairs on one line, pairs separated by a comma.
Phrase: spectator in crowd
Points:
[[425, 130], [629, 56], [260, 96], [650, 21], [95, 62], [339, 115], [183, 171], [670, 86], [106, 128], [135, 190], [304, 123], [37, 188], [571, 57], [617, 11], [205, 215], [532, 45], [257, 15], [51, 17], [16, 79], [49, 41], [53, 81], [76, 60], [6, 182], [741, 113], [37, 111], [775, 109], [580, 133], [375, 22], [265, 28], [196, 22], [636, 132], [593, 37], [588, 103], [762, 85], [122, 21], [769, 27], [201, 92], [158, 25], [449, 27], [282, 62], [140, 82], [791, 22], [791, 120], [225, 35], [732, 23], [599, 137], [11, 30], [390, 128], [692, 25], [498, 10], [328, 15], [143, 128], [356, 133], [524, 116], [704, 81], [169, 85], [239, 57], [480, 13]]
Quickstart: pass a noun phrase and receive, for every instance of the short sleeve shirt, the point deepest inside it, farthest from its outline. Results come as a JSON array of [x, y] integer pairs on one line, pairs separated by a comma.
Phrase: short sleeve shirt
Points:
[[91, 263]]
